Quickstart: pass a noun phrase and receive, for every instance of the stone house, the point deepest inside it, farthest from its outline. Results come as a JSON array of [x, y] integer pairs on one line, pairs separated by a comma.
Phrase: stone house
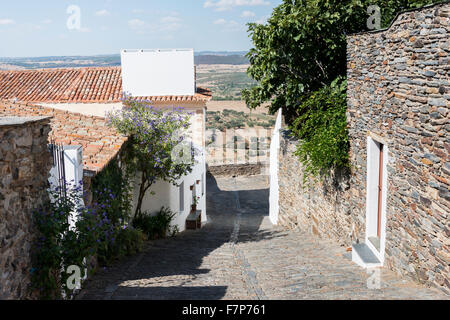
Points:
[[78, 100], [393, 207]]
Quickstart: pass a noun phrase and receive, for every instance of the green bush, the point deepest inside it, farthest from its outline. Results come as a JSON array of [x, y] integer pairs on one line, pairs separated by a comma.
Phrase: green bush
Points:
[[101, 230], [129, 241], [321, 126], [157, 226], [61, 245]]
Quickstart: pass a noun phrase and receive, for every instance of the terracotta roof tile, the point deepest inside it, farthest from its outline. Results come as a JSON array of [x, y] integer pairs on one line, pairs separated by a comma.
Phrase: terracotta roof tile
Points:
[[76, 85], [100, 143]]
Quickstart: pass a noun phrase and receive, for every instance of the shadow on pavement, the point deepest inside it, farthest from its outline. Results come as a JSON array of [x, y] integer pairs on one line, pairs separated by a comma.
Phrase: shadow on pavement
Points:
[[172, 268]]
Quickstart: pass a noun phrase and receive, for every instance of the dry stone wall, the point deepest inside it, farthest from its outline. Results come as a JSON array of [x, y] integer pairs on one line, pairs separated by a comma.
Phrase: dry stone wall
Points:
[[399, 92], [322, 207], [24, 169]]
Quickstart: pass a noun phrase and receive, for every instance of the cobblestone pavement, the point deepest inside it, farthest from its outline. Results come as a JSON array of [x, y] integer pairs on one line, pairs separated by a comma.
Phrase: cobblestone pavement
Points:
[[240, 255]]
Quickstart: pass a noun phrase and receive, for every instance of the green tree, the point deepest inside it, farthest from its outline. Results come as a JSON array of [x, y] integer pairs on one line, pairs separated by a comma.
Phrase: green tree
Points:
[[154, 137], [299, 63], [302, 48]]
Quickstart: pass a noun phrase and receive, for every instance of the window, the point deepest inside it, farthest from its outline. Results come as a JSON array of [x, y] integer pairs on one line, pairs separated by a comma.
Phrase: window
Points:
[[181, 191]]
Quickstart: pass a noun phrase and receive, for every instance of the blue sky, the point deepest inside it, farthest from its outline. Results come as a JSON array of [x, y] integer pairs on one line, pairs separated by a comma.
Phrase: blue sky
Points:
[[40, 28]]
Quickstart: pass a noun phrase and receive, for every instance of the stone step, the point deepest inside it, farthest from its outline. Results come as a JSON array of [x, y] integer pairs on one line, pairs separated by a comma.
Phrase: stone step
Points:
[[363, 256]]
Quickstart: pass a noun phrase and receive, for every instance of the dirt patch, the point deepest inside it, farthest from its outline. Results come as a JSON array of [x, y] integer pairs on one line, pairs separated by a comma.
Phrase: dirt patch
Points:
[[239, 106]]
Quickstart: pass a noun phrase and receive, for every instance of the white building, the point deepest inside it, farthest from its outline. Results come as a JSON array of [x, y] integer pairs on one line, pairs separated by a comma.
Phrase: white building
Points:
[[79, 98]]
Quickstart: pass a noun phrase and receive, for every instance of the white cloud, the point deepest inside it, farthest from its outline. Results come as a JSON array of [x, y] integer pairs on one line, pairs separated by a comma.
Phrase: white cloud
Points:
[[7, 21], [164, 24], [170, 19], [47, 21], [220, 21], [263, 20], [136, 24], [102, 13], [248, 14], [223, 5], [229, 25]]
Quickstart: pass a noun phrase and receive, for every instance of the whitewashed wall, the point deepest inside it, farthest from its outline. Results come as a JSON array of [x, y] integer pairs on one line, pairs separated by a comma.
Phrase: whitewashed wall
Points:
[[274, 152], [168, 195]]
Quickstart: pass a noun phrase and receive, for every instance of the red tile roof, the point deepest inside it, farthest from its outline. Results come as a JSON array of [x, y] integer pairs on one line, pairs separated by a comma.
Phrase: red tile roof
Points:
[[76, 85], [100, 143]]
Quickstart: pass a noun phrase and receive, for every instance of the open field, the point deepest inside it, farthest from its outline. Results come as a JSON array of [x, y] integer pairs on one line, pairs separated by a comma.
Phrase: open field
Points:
[[239, 106], [223, 115], [225, 81]]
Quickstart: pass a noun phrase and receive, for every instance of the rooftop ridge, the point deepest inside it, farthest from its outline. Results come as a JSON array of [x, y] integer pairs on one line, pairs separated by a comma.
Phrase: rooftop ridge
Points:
[[77, 85]]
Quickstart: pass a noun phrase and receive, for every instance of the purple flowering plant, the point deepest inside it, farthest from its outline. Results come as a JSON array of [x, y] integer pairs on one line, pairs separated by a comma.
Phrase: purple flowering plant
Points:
[[68, 233], [154, 134]]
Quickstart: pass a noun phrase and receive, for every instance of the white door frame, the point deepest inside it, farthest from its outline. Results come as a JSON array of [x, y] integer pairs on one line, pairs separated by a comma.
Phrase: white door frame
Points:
[[373, 164]]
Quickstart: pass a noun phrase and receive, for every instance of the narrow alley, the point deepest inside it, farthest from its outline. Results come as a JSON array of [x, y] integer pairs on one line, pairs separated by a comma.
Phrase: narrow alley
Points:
[[240, 255]]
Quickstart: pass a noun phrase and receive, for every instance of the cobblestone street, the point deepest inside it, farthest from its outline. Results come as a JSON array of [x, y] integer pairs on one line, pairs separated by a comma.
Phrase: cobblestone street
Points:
[[240, 255]]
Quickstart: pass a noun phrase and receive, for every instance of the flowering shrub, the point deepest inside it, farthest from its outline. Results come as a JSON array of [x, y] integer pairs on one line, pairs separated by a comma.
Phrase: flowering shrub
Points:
[[61, 245], [154, 133], [100, 231]]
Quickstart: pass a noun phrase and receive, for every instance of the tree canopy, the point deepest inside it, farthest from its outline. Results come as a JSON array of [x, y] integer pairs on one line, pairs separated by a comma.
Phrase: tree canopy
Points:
[[302, 47]]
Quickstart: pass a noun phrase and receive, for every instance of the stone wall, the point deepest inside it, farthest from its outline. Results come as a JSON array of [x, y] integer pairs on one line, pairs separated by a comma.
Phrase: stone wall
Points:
[[399, 93], [100, 143], [399, 90], [24, 168], [322, 208], [238, 170]]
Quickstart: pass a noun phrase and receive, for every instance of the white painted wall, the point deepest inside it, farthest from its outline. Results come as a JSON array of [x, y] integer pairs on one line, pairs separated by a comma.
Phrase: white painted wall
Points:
[[87, 109], [158, 72], [274, 188], [168, 195]]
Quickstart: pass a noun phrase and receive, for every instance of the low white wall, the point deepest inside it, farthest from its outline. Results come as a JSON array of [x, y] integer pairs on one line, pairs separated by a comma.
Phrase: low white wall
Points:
[[274, 188]]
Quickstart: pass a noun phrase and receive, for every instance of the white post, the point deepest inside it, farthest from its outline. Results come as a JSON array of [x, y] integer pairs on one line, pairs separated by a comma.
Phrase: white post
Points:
[[274, 188]]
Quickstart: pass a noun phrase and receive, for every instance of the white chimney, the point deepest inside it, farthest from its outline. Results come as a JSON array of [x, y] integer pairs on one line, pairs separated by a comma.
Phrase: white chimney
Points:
[[158, 72]]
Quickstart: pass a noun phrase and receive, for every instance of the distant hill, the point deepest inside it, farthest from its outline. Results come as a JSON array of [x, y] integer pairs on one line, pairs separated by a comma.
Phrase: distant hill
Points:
[[221, 53], [205, 57], [216, 59]]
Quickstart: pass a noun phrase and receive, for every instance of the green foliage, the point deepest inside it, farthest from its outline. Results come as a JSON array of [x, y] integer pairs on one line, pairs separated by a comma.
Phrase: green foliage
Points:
[[302, 48], [59, 245], [156, 226], [100, 231], [322, 128], [154, 134], [112, 193], [112, 187], [129, 241], [296, 57]]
